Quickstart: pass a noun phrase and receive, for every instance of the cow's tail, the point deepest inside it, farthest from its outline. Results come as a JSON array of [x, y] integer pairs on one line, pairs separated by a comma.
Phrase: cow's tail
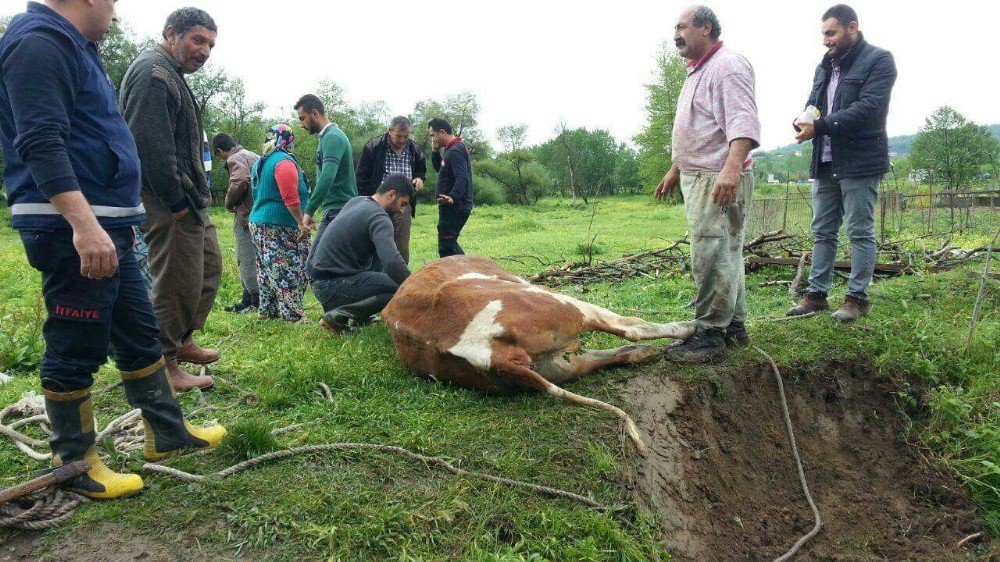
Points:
[[531, 379]]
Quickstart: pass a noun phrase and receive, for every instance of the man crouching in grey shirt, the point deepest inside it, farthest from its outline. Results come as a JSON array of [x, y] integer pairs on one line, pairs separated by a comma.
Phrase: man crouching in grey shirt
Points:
[[356, 268]]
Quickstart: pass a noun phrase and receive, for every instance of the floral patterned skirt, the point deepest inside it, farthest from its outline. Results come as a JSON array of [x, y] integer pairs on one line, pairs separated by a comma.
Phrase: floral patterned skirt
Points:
[[281, 271]]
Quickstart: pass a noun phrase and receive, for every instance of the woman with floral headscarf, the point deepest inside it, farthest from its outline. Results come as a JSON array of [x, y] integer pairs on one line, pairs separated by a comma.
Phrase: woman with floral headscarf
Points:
[[280, 192]]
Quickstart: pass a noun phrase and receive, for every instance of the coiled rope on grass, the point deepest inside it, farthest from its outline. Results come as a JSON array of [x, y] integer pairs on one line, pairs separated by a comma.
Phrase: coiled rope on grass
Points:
[[41, 510]]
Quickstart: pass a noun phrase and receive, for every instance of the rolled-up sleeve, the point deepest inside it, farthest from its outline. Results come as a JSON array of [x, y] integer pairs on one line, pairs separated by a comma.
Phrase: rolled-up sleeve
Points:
[[286, 175], [41, 81], [735, 106]]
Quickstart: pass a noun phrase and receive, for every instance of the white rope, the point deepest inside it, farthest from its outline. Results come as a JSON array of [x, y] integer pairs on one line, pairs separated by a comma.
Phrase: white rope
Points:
[[798, 462]]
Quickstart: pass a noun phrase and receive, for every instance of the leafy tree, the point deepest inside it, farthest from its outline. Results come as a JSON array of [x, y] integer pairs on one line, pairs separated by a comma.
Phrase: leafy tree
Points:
[[655, 138], [515, 169], [207, 85], [627, 177], [462, 111], [953, 149], [238, 117], [583, 162], [119, 49]]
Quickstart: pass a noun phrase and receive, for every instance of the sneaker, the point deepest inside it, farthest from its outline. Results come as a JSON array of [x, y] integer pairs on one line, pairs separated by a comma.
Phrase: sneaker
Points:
[[705, 346], [812, 302], [852, 309], [736, 335]]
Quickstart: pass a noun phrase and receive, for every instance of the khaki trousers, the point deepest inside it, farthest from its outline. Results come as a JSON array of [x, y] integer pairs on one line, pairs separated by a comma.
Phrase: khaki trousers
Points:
[[186, 264], [402, 223], [717, 236]]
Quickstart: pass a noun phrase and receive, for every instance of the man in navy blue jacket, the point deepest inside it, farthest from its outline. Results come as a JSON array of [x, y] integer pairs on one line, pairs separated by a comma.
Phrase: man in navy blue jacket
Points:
[[851, 90], [72, 174], [454, 185]]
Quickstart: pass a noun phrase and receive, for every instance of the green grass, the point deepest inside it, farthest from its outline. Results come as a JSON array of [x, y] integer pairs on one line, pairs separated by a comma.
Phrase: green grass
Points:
[[359, 506]]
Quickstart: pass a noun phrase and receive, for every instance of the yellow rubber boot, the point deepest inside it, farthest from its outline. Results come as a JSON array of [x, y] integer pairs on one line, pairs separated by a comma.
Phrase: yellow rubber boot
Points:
[[73, 434], [102, 483], [200, 438], [167, 432]]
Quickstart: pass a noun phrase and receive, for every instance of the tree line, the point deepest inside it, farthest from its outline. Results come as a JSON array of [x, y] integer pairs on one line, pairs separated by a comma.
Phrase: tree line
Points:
[[949, 151], [576, 163]]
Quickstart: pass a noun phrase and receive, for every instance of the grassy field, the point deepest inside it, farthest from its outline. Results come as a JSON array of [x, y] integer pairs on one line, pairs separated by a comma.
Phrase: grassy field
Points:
[[360, 506]]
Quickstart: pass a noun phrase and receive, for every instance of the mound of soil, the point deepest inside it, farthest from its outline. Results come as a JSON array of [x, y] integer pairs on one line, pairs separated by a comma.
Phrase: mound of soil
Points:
[[721, 477]]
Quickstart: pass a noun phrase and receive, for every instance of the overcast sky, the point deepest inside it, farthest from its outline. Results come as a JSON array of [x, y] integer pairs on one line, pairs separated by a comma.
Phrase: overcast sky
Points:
[[539, 62]]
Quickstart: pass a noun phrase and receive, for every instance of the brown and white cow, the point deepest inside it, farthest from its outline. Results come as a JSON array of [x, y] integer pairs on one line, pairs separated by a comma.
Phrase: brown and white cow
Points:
[[467, 321]]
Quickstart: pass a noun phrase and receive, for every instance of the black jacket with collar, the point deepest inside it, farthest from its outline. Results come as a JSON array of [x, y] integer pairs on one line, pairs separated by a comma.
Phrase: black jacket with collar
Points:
[[371, 165], [856, 126]]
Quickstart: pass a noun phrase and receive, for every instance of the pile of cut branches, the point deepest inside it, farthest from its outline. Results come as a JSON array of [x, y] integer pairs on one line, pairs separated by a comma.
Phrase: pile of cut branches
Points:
[[776, 248]]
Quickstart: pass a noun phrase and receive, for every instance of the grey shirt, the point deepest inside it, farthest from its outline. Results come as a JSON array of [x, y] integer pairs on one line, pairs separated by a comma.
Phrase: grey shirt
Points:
[[361, 232]]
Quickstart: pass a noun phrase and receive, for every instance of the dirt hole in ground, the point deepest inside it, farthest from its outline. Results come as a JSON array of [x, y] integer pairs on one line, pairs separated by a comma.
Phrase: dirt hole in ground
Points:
[[722, 481]]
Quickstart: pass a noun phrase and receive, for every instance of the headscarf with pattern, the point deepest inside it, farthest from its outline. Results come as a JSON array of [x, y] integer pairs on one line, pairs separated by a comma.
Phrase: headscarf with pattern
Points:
[[279, 137]]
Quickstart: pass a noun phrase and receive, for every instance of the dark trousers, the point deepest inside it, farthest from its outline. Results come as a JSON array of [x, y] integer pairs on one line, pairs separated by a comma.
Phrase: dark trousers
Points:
[[359, 296], [86, 315], [186, 263], [402, 224], [321, 227], [451, 220]]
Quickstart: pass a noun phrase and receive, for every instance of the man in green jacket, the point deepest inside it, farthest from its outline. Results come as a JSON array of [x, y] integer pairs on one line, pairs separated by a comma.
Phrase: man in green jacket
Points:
[[335, 184]]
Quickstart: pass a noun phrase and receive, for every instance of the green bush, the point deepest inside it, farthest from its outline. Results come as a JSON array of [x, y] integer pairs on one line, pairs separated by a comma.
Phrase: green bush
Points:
[[487, 191]]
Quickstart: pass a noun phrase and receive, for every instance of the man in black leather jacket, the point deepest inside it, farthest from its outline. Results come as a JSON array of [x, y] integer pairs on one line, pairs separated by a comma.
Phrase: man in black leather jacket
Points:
[[393, 152], [851, 90]]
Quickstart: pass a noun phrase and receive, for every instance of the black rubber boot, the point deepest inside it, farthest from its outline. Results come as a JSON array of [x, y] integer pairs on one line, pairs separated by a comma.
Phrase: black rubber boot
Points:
[[166, 430], [241, 306], [337, 322], [705, 346], [73, 433], [736, 335]]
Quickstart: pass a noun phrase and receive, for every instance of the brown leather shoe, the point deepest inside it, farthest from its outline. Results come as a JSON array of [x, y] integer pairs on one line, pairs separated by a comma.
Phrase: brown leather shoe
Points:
[[852, 309], [191, 352], [812, 302], [183, 381]]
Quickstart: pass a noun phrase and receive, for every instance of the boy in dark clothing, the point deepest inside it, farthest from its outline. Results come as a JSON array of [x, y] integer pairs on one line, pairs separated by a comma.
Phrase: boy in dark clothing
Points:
[[356, 267], [454, 185]]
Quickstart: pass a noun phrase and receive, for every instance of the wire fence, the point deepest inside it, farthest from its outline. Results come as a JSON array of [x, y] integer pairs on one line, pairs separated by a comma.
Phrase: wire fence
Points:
[[897, 214]]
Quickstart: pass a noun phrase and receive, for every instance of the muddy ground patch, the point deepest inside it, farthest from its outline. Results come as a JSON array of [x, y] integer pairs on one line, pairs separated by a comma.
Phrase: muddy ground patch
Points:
[[721, 478]]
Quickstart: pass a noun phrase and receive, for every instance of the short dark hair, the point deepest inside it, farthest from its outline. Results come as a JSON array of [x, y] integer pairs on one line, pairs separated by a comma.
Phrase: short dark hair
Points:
[[703, 15], [223, 142], [844, 14], [184, 19], [398, 183], [309, 102], [400, 121], [441, 124]]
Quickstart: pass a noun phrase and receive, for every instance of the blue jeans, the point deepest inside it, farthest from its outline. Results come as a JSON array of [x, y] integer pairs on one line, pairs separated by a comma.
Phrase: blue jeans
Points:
[[359, 296], [85, 315], [850, 201], [451, 221]]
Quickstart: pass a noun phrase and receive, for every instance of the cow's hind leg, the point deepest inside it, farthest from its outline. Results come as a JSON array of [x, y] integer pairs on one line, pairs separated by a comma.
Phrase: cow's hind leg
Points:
[[630, 328], [564, 367], [528, 378]]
